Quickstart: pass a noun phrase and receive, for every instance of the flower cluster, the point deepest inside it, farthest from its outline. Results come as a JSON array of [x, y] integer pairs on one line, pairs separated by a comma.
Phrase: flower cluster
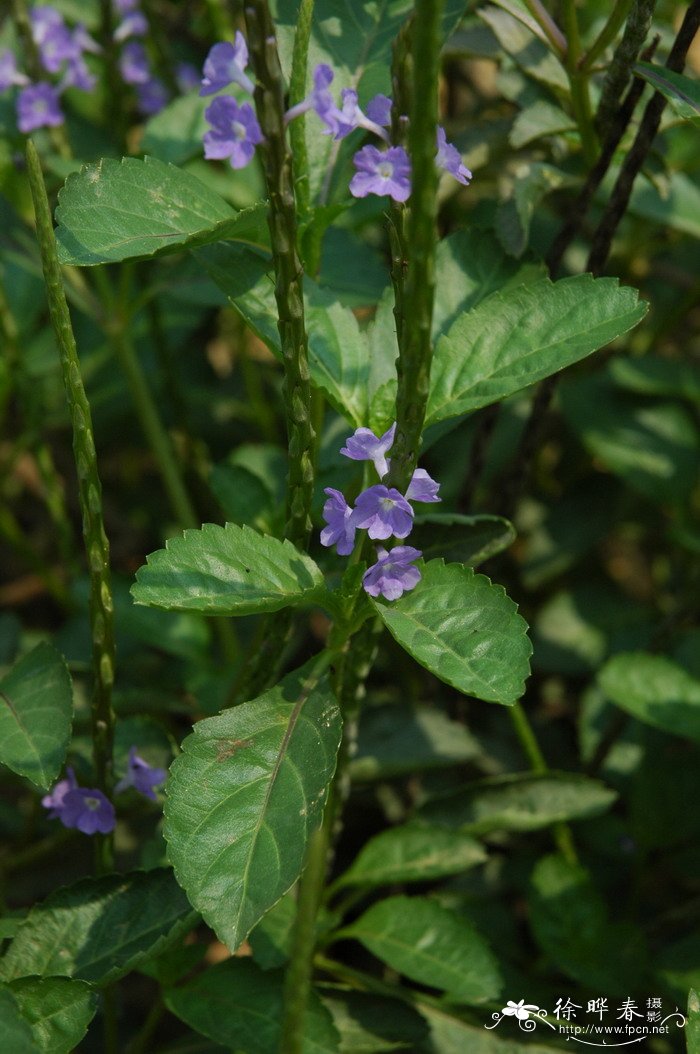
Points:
[[235, 130], [87, 809], [134, 63], [383, 512]]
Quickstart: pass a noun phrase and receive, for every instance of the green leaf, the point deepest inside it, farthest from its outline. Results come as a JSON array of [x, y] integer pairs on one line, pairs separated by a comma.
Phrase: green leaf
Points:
[[396, 740], [370, 1024], [99, 928], [450, 1035], [533, 182], [463, 539], [654, 690], [227, 570], [515, 338], [338, 352], [250, 486], [244, 796], [652, 445], [57, 1010], [16, 1034], [464, 630], [571, 924], [412, 853], [533, 57], [656, 375], [36, 713], [240, 1006], [431, 945], [677, 965], [539, 119], [692, 1030], [682, 92], [678, 207], [175, 134], [518, 803], [119, 210], [271, 938]]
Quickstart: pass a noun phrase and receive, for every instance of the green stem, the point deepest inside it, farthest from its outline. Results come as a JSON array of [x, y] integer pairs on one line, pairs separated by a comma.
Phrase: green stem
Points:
[[612, 27], [90, 495], [619, 72], [548, 26], [415, 349], [289, 292], [578, 81], [219, 21], [297, 91], [538, 765]]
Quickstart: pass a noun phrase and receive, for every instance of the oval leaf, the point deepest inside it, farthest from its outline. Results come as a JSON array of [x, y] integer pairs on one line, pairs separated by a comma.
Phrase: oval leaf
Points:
[[464, 630], [99, 928], [245, 794], [117, 210], [36, 713], [654, 690], [682, 92], [239, 1006], [16, 1033], [519, 803], [431, 945], [227, 570], [57, 1010], [517, 337], [412, 853]]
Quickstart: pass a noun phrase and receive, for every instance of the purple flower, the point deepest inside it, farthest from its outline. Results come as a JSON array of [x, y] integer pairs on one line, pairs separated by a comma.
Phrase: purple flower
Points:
[[378, 110], [83, 41], [133, 63], [393, 574], [225, 64], [187, 77], [78, 75], [83, 808], [151, 96], [44, 21], [9, 74], [122, 6], [350, 116], [320, 99], [134, 25], [381, 172], [141, 776], [363, 445], [38, 107], [449, 158], [383, 511], [57, 46], [422, 487], [235, 131], [340, 530]]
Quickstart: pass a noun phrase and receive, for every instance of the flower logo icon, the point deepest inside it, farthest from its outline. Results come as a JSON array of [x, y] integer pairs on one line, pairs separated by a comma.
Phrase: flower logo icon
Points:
[[521, 1010]]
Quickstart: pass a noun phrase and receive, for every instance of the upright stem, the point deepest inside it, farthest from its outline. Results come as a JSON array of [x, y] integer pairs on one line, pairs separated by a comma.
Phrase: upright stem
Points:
[[402, 87], [297, 91], [578, 80], [415, 349], [289, 291], [619, 71], [90, 495], [548, 26], [607, 34]]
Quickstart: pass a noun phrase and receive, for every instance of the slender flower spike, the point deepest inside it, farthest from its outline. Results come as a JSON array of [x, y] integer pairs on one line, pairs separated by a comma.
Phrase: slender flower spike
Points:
[[340, 530], [393, 574], [235, 131], [9, 74], [383, 511], [449, 158], [225, 64], [38, 107], [364, 445], [422, 487], [83, 808], [141, 776], [382, 172]]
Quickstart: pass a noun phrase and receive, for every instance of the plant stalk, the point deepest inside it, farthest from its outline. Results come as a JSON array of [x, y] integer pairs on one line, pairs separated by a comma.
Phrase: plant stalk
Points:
[[578, 81], [548, 26], [625, 55], [90, 495], [612, 27], [297, 91]]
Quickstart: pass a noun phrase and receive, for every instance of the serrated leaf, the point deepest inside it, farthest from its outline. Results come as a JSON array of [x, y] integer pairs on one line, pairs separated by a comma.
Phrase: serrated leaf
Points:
[[515, 338], [429, 944], [655, 690], [395, 740], [36, 714], [244, 796], [518, 803], [370, 1024], [412, 853], [238, 1005], [16, 1033], [463, 539], [682, 92], [464, 630], [119, 210], [227, 570], [57, 1010], [99, 928], [338, 352]]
